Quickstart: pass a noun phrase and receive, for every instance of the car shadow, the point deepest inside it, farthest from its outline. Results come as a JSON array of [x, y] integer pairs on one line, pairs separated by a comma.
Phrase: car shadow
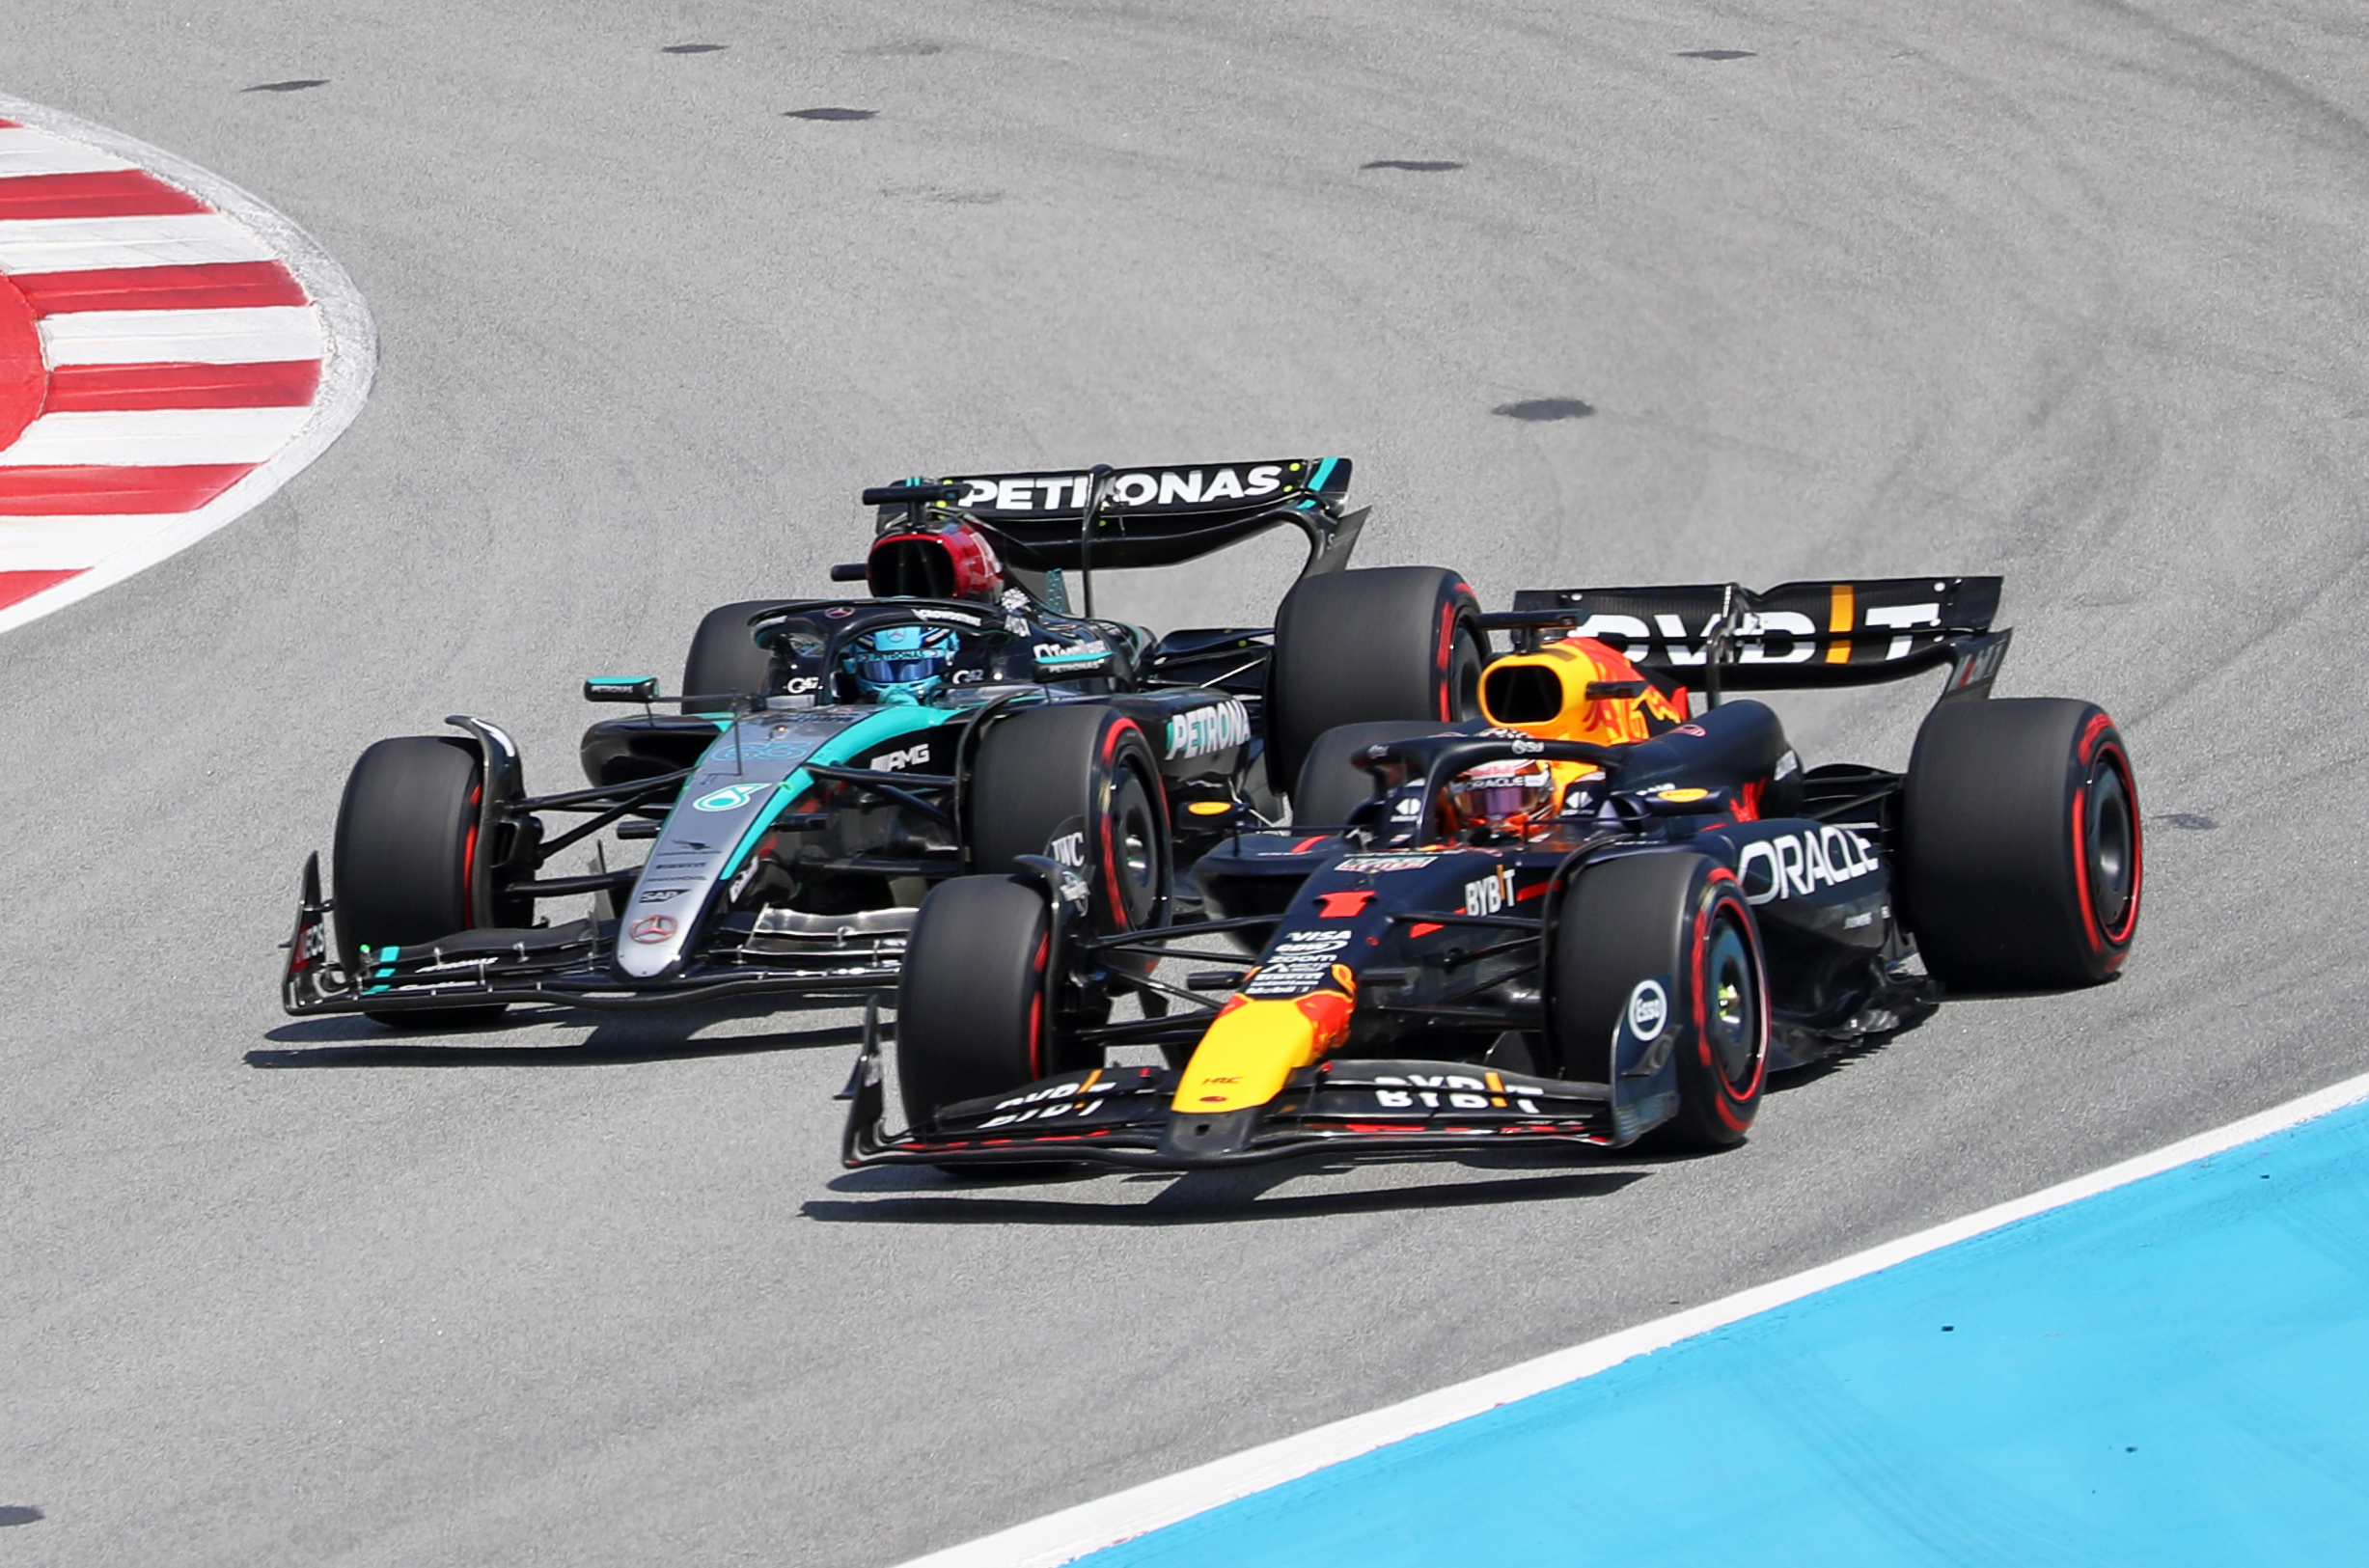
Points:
[[912, 1196], [617, 1039], [1951, 994]]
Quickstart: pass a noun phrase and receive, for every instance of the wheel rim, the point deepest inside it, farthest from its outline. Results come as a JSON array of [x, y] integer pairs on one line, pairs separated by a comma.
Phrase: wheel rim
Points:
[[1731, 1005], [1135, 851], [2113, 857]]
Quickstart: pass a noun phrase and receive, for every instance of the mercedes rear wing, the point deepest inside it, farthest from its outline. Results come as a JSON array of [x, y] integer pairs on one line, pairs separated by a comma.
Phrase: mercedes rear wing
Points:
[[1796, 635], [1106, 518]]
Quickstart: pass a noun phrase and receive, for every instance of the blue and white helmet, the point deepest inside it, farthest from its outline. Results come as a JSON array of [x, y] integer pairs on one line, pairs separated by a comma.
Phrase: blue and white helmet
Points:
[[901, 666]]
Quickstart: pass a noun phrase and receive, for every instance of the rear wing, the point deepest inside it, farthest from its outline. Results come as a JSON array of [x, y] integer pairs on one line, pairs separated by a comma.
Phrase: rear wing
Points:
[[1796, 635], [1108, 518]]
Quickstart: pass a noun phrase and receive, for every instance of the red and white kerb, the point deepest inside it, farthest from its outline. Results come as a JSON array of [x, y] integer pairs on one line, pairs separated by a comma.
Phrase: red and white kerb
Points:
[[154, 352]]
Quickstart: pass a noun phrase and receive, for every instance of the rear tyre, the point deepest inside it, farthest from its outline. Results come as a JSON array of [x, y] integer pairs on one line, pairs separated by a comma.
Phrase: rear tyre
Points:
[[400, 868], [1332, 785], [726, 659], [973, 1011], [1680, 921], [1400, 642], [1077, 767], [2020, 854]]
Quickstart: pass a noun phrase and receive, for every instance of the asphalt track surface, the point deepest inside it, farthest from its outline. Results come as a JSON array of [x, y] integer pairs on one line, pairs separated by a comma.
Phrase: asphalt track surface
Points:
[[2067, 292]]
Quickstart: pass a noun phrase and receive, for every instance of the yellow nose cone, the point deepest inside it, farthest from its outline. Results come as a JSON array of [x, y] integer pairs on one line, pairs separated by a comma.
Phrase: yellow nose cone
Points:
[[1255, 1044]]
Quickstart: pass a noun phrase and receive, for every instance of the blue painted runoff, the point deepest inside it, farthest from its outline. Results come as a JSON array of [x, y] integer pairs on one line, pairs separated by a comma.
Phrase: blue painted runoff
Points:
[[2175, 1372]]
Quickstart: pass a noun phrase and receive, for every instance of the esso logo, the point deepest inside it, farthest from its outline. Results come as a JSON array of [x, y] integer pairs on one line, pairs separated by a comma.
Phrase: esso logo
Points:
[[1649, 1011]]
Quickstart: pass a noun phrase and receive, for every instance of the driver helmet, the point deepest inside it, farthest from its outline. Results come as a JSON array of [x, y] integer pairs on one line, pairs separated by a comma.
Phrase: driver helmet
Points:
[[1495, 795], [901, 666]]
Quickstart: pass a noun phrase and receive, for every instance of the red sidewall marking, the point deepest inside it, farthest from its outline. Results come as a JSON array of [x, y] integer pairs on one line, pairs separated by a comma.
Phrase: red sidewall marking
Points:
[[1730, 1096], [1447, 643], [468, 861], [1106, 834], [24, 376], [2101, 941], [1036, 1009], [1111, 739], [2139, 859]]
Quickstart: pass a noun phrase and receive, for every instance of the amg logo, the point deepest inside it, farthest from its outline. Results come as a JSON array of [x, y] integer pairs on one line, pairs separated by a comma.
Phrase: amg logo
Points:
[[892, 762], [1796, 865], [1204, 730]]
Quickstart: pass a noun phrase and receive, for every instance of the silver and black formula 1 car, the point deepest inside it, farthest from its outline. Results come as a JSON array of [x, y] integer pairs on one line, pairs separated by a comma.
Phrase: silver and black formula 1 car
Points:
[[1590, 915], [834, 759]]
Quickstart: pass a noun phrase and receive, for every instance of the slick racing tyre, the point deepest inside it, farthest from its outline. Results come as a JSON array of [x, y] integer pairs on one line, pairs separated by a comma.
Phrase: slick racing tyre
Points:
[[1666, 934], [2020, 844], [406, 834], [1362, 646], [1332, 785], [1045, 772], [726, 659], [974, 1013]]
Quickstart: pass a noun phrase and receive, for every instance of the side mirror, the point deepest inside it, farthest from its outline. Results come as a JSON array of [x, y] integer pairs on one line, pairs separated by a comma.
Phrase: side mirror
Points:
[[620, 688], [890, 495]]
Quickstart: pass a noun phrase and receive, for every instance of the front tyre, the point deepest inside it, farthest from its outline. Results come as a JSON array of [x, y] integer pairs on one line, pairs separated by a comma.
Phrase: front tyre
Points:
[[1046, 771], [1675, 921], [405, 856], [1388, 642], [974, 1015], [2020, 853]]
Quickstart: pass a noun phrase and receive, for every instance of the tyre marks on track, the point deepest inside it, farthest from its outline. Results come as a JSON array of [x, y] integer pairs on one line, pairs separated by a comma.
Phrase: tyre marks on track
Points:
[[171, 351]]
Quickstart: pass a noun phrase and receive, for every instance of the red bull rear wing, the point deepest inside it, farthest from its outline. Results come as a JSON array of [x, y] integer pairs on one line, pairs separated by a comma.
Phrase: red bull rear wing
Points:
[[1796, 635]]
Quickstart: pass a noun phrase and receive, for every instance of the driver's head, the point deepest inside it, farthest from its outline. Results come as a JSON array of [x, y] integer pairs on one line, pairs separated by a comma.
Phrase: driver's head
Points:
[[901, 666], [1504, 796]]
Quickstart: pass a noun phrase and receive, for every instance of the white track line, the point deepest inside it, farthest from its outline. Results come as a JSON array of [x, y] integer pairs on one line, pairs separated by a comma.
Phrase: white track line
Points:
[[75, 543], [1074, 1532], [252, 336], [28, 152], [256, 233], [169, 239], [143, 438]]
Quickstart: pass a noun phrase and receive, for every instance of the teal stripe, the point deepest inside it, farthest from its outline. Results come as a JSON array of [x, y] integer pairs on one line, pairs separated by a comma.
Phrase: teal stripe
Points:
[[789, 789], [1324, 471]]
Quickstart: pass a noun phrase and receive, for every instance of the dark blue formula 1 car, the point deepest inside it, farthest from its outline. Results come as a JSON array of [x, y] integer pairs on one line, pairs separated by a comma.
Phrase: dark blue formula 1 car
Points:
[[1589, 916]]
